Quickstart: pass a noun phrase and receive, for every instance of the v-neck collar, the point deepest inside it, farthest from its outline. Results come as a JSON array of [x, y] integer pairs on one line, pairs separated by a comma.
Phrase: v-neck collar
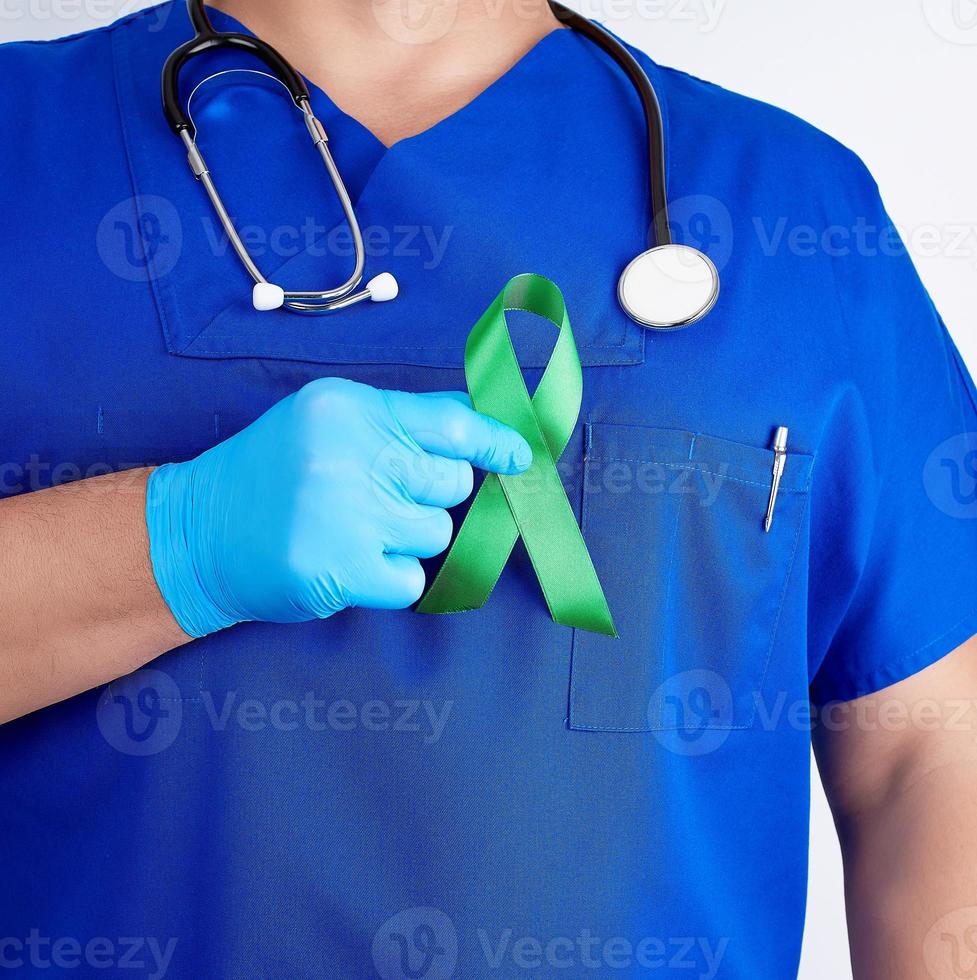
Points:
[[319, 96], [520, 67], [482, 174]]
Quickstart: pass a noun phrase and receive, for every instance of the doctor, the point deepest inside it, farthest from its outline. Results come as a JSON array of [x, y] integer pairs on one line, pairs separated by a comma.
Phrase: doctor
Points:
[[232, 749]]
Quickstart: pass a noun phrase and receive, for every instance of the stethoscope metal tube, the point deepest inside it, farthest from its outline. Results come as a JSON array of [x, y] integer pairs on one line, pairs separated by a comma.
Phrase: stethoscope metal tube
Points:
[[665, 287]]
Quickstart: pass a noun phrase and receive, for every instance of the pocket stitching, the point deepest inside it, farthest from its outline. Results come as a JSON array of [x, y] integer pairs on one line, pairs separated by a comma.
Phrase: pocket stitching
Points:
[[701, 469], [762, 680]]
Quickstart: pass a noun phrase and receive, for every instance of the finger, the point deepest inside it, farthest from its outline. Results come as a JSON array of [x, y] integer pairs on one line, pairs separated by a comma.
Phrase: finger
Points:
[[436, 480], [459, 396], [443, 426], [419, 531], [396, 582]]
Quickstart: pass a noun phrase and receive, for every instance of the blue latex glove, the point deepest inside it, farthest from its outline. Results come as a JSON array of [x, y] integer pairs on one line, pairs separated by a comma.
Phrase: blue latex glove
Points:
[[326, 501]]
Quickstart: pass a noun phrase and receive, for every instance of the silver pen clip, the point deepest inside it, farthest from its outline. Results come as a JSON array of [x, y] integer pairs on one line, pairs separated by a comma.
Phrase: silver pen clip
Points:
[[779, 461]]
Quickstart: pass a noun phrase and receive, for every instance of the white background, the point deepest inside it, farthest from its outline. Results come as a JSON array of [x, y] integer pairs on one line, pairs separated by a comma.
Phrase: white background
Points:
[[892, 79]]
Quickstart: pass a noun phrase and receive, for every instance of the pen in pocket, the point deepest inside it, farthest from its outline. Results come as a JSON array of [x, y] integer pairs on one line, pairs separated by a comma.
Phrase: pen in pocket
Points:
[[779, 461]]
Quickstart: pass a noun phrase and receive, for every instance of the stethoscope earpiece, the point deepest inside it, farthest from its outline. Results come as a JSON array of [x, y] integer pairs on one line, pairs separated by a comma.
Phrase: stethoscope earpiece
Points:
[[669, 287], [380, 289], [383, 288], [267, 296]]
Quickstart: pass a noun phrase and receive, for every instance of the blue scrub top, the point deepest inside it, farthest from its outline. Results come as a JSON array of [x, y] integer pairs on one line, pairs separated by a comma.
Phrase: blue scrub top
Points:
[[482, 795]]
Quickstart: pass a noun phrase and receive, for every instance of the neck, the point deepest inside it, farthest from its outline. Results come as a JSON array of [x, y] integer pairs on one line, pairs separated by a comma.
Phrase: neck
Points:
[[399, 66]]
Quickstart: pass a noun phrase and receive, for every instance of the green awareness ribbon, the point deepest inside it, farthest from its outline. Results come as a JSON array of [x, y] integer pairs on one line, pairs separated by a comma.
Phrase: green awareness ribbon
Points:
[[533, 505]]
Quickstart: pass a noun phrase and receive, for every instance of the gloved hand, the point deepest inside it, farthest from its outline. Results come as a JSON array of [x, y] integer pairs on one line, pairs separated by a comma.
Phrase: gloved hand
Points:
[[326, 501]]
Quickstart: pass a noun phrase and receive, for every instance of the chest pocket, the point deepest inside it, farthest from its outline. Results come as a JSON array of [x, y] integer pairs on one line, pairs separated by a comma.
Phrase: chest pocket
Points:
[[674, 523]]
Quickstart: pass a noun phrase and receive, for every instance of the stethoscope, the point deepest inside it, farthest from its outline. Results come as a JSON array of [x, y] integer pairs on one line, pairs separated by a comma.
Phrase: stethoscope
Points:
[[666, 287]]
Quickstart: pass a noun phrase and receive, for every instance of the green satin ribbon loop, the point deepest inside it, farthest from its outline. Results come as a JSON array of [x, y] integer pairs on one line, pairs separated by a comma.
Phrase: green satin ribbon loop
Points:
[[533, 505]]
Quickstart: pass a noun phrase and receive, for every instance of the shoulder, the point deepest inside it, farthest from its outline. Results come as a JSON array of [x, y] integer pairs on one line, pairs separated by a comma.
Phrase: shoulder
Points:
[[68, 68], [63, 99], [780, 154]]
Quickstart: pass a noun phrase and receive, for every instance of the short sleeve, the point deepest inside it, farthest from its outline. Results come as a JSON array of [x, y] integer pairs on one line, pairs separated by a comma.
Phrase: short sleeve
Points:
[[893, 584]]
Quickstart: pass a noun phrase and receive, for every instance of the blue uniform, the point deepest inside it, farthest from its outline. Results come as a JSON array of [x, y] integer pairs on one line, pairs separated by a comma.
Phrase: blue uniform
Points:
[[385, 794]]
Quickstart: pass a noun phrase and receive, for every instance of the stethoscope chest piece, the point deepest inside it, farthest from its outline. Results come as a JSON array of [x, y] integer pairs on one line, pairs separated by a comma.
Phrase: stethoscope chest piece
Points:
[[669, 287]]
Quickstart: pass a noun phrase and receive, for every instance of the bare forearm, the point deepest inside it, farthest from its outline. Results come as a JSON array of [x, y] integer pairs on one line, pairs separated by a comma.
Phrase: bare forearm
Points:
[[78, 602]]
